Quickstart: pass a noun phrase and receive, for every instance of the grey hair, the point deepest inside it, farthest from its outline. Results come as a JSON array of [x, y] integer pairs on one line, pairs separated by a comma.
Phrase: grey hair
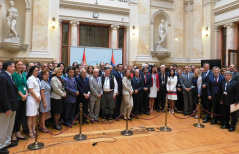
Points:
[[162, 66], [228, 72], [82, 70], [136, 70], [96, 69], [215, 67]]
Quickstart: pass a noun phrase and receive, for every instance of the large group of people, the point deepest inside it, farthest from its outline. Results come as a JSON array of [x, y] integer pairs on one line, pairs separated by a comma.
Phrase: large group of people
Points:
[[55, 91]]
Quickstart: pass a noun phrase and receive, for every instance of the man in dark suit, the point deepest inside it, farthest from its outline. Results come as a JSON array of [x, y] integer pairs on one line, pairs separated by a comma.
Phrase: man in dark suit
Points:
[[161, 96], [213, 89], [101, 71], [205, 102], [138, 85], [84, 89], [228, 95], [118, 76], [8, 106], [147, 84], [236, 78], [70, 100]]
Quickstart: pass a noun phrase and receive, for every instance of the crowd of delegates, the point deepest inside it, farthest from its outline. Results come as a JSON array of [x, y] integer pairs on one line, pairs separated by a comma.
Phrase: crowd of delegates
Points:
[[109, 92]]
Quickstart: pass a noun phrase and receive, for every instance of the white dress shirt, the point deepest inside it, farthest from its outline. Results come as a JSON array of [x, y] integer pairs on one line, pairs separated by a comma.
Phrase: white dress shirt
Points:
[[106, 86]]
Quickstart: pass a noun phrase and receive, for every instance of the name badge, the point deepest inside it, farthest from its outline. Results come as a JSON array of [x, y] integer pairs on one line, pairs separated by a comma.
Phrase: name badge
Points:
[[225, 93], [179, 84], [193, 86], [24, 88]]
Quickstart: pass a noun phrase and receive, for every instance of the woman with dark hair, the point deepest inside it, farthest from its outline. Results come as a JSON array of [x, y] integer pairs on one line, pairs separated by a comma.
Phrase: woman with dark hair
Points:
[[33, 99], [74, 64], [171, 89], [62, 66], [45, 104], [77, 72], [90, 69], [154, 88], [21, 82], [179, 102], [127, 92], [57, 94]]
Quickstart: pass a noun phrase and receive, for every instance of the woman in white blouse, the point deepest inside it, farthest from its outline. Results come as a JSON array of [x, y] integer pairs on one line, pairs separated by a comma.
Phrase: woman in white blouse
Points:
[[33, 99], [127, 92], [171, 89]]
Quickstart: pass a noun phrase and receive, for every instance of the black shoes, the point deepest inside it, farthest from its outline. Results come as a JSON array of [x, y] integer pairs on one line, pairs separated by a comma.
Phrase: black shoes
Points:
[[57, 127], [140, 114], [13, 144], [225, 127], [185, 114], [158, 110], [206, 120], [24, 138], [4, 151], [85, 121], [92, 122], [214, 122], [147, 113], [232, 129], [67, 124]]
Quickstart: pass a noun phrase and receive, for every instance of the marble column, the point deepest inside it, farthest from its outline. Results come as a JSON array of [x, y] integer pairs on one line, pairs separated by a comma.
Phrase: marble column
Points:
[[127, 46], [27, 33], [230, 42], [114, 36], [60, 39], [197, 29], [179, 28], [217, 42], [74, 31]]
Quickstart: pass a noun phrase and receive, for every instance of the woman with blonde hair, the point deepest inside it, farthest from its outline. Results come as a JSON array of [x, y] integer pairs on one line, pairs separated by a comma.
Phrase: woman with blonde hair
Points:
[[127, 92], [196, 89]]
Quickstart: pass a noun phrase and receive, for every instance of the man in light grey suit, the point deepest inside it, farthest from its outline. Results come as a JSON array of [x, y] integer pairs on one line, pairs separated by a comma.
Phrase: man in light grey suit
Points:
[[187, 85], [95, 97]]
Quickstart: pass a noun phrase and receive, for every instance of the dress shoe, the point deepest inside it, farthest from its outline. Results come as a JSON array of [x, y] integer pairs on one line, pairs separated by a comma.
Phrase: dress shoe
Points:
[[92, 122], [4, 151], [97, 120], [117, 119], [185, 113], [13, 144], [232, 129], [19, 138], [82, 123], [225, 127], [86, 122], [67, 124], [16, 141], [214, 122], [74, 123], [205, 120], [140, 114], [57, 127], [103, 120], [147, 113]]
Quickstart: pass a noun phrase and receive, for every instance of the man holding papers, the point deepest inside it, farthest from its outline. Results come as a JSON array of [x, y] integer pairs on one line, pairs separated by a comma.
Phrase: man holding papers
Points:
[[228, 98]]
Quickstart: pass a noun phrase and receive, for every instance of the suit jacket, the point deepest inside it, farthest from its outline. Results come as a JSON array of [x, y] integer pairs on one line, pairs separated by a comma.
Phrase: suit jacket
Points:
[[100, 73], [57, 88], [157, 80], [205, 77], [230, 97], [236, 77], [21, 83], [127, 88], [212, 87], [71, 90], [187, 83], [148, 82], [95, 88], [82, 85], [119, 80], [160, 78], [137, 84], [8, 91]]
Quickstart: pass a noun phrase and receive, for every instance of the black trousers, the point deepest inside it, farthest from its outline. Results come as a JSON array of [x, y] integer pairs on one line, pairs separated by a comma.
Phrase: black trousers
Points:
[[137, 100], [179, 102], [216, 107], [21, 118], [226, 116], [69, 112], [145, 103], [161, 97], [118, 104], [85, 103]]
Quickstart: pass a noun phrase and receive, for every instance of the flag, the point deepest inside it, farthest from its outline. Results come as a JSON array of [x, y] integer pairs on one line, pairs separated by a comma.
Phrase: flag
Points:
[[112, 59], [84, 59]]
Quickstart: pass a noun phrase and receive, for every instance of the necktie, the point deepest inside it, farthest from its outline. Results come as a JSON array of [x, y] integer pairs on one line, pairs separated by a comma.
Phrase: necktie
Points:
[[226, 86], [216, 79], [163, 79], [145, 78]]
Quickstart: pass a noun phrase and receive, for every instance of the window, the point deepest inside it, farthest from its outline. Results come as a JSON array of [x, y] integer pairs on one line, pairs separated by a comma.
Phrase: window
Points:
[[121, 38], [94, 36], [65, 39], [224, 38]]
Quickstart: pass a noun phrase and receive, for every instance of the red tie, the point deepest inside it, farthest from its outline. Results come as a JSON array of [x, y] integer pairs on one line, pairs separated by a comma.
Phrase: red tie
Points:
[[145, 78], [216, 79]]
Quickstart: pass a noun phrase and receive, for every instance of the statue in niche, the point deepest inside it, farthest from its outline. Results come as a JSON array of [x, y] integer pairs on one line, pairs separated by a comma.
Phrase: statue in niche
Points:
[[162, 36], [12, 15]]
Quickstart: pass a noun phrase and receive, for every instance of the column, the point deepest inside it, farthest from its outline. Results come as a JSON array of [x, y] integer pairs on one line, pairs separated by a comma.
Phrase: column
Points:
[[59, 39], [74, 33], [127, 46], [217, 43], [230, 42], [1, 35], [114, 36], [27, 33]]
